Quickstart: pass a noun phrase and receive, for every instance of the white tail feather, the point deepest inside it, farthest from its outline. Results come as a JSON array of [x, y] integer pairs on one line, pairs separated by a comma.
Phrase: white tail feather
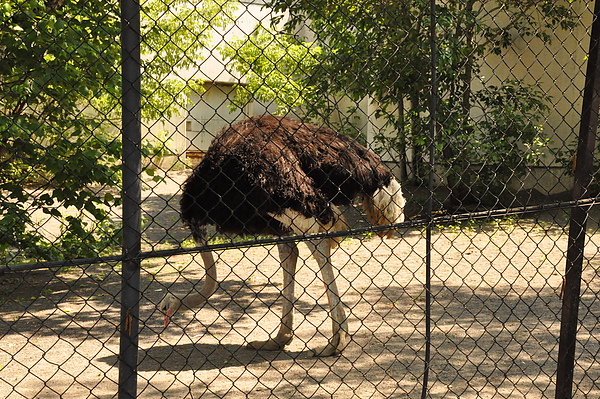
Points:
[[386, 206]]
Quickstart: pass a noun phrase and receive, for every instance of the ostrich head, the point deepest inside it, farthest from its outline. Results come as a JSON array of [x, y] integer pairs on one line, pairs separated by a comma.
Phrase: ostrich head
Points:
[[169, 305]]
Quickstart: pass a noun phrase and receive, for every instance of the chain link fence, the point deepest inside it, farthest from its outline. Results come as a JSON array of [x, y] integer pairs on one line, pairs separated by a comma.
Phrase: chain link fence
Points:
[[485, 112]]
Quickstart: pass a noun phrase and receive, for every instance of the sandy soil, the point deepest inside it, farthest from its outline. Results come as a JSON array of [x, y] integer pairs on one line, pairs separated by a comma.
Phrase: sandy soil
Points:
[[495, 319]]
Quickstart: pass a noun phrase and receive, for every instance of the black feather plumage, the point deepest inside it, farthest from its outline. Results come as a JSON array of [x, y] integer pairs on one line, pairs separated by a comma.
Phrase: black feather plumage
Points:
[[266, 164]]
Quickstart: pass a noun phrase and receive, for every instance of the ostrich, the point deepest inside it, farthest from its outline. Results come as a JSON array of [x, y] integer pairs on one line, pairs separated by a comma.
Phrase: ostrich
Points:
[[272, 175]]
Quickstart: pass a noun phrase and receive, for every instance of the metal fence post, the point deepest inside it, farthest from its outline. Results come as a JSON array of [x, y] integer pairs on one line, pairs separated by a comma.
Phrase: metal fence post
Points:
[[131, 135], [583, 175], [429, 207]]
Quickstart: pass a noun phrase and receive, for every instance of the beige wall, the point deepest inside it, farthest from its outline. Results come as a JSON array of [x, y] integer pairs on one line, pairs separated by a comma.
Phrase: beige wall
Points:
[[210, 112], [558, 69]]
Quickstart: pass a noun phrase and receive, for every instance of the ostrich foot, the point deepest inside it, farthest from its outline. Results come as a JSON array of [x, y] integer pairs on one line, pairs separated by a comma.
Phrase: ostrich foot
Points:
[[272, 344], [334, 347]]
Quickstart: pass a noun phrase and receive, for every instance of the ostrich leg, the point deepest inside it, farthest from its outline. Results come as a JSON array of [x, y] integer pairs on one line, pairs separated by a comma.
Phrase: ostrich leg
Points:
[[288, 254], [321, 250]]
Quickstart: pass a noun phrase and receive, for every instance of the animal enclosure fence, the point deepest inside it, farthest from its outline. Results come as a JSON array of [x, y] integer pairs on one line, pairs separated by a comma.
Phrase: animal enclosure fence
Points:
[[486, 113]]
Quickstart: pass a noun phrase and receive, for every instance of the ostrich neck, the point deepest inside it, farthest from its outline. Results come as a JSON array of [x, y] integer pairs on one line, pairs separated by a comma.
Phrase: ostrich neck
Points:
[[209, 286]]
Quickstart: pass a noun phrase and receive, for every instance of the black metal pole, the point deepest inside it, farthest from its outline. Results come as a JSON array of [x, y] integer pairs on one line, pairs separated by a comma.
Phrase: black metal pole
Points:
[[583, 175], [132, 161], [432, 138]]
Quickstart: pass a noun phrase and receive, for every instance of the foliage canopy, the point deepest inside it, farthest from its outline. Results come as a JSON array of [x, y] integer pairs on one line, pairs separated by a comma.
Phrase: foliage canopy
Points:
[[381, 51], [59, 113]]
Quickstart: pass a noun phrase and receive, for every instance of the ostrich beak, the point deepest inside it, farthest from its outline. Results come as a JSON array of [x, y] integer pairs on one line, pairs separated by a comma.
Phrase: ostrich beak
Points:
[[168, 315]]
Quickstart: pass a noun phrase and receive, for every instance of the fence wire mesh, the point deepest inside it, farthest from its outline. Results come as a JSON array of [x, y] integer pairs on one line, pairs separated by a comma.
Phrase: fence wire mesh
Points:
[[464, 300]]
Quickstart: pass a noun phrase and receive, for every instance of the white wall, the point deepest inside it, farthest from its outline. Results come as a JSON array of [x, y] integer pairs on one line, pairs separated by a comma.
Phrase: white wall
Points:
[[209, 112]]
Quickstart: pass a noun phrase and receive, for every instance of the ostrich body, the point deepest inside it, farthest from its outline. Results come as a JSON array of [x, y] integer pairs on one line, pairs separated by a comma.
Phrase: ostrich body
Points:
[[277, 176]]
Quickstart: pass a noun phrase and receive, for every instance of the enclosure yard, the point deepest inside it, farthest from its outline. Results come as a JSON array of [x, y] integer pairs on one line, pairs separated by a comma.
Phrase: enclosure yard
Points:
[[496, 303], [485, 112]]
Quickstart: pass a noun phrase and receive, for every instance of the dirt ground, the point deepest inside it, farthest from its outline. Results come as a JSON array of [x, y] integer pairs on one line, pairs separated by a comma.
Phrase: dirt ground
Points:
[[495, 318]]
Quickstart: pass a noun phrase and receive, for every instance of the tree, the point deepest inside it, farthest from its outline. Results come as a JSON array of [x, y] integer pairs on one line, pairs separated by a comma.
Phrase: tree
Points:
[[53, 58], [272, 67], [59, 89], [174, 33], [380, 49]]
